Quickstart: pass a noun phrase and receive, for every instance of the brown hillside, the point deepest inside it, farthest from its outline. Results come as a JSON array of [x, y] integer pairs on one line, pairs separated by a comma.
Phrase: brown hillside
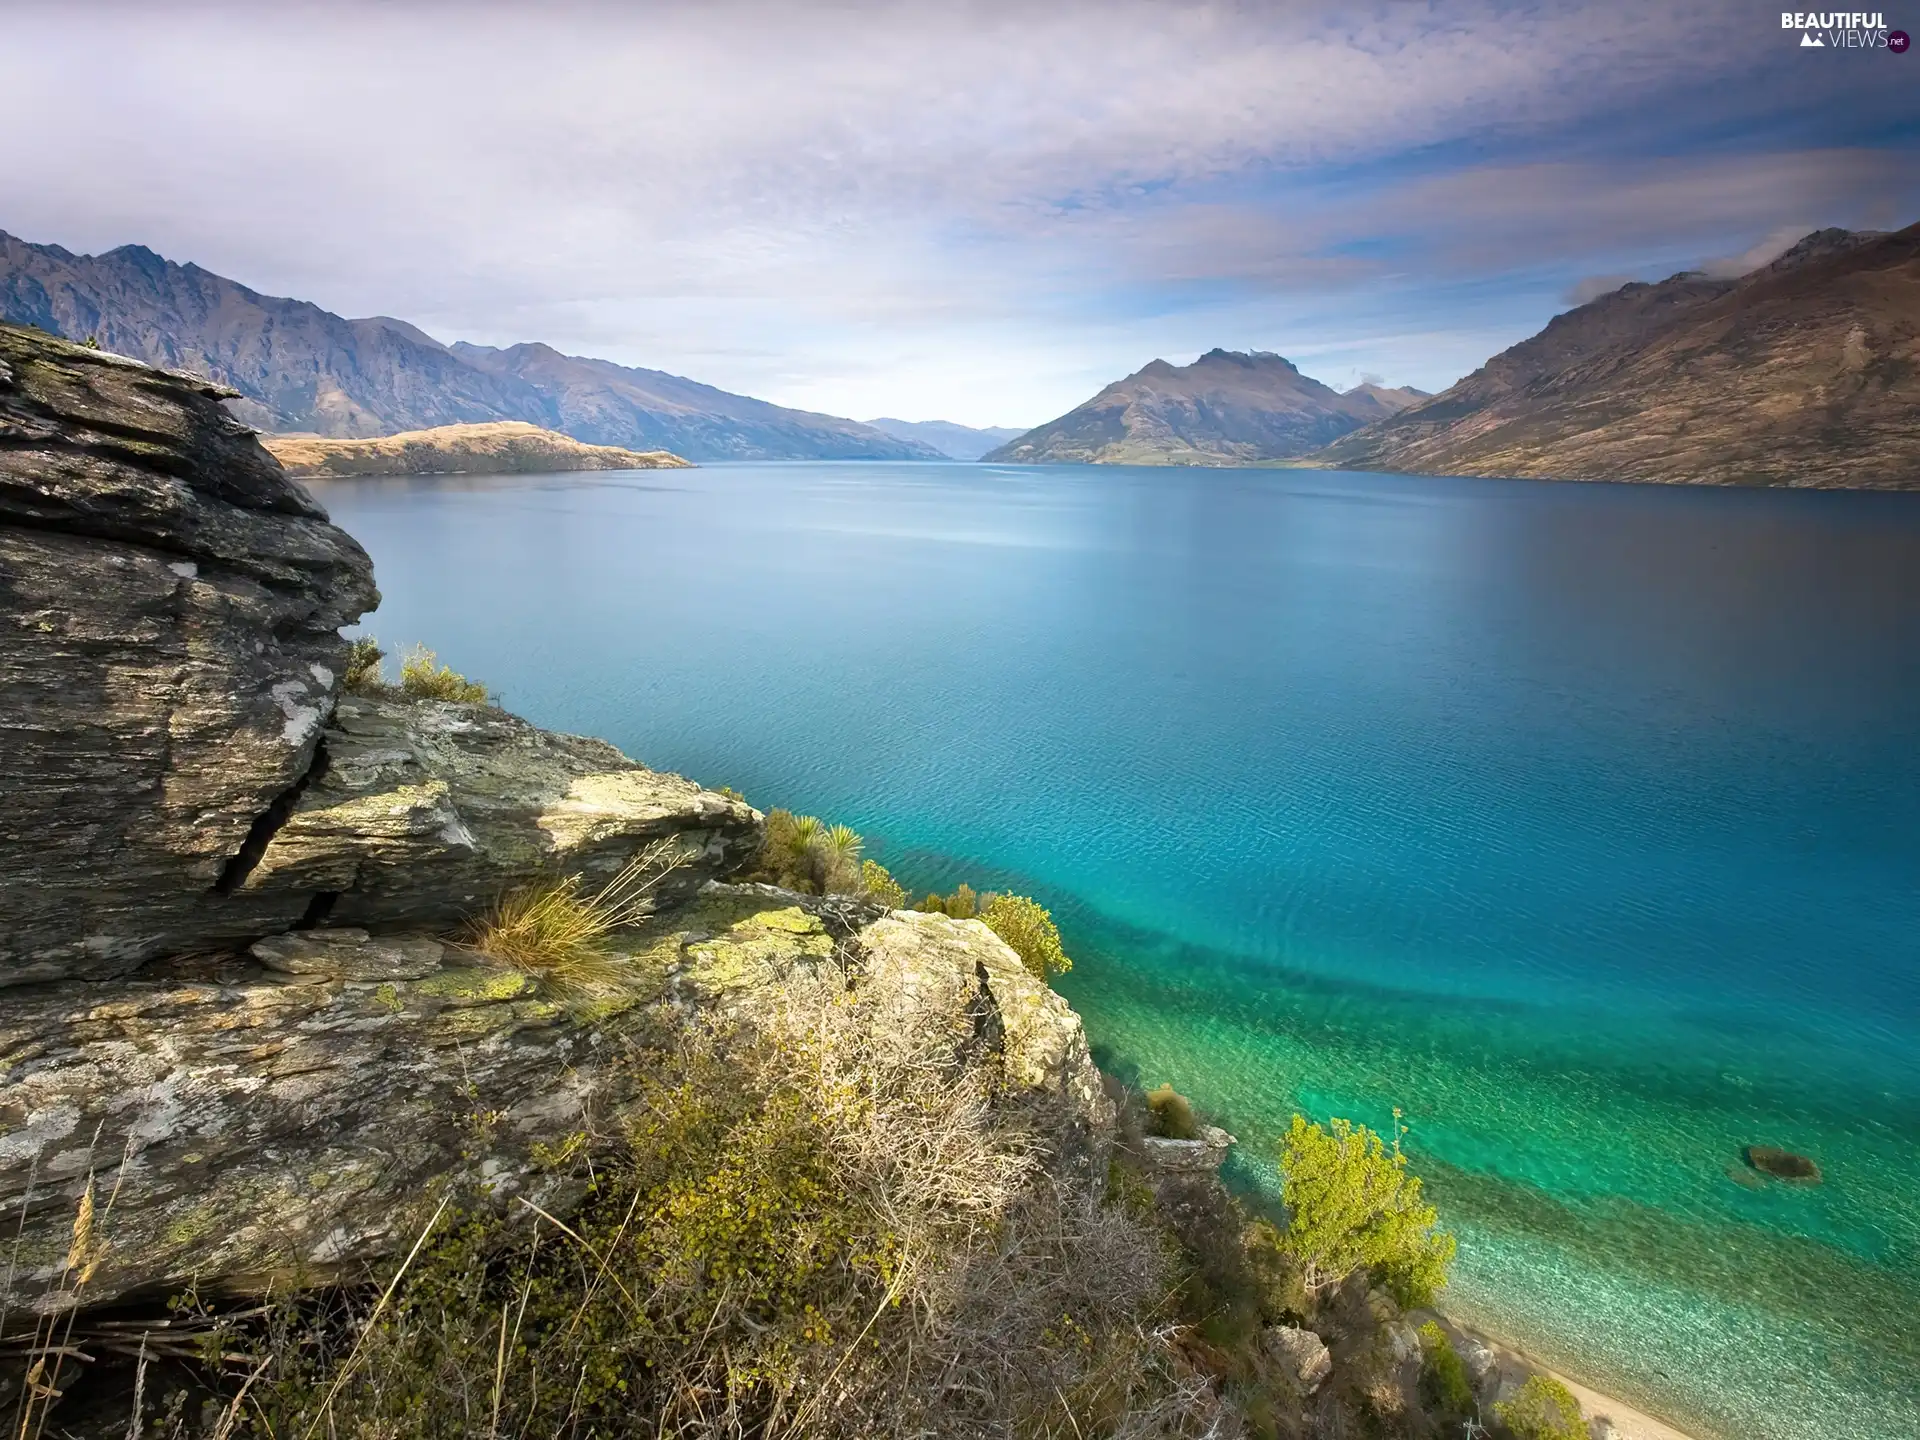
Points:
[[1804, 373], [506, 447]]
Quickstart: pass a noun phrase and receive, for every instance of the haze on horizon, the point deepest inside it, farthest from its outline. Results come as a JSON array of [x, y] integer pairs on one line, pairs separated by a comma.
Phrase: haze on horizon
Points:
[[979, 212]]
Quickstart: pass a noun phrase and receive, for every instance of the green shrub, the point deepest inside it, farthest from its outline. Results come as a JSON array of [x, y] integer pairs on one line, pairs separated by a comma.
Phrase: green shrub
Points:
[[932, 904], [1029, 931], [1542, 1409], [804, 853], [1443, 1375], [1282, 1279], [423, 677], [1170, 1114], [363, 667], [881, 886], [1352, 1205]]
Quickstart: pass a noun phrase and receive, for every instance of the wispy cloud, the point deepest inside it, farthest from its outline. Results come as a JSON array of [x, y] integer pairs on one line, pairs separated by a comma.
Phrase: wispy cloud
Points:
[[976, 208]]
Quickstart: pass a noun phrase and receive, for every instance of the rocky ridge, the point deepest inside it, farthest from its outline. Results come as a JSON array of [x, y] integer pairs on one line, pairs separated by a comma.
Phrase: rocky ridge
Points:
[[1805, 372]]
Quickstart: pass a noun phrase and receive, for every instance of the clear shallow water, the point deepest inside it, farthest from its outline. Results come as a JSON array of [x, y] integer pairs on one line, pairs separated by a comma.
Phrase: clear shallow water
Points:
[[1582, 822]]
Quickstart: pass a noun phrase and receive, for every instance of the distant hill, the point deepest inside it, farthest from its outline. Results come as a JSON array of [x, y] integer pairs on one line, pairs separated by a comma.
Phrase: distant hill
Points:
[[1226, 408], [301, 368], [496, 448], [956, 442], [1804, 372]]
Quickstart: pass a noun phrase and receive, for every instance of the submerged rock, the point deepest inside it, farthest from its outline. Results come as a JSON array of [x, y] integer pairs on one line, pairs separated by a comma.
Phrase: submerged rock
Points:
[[1782, 1164]]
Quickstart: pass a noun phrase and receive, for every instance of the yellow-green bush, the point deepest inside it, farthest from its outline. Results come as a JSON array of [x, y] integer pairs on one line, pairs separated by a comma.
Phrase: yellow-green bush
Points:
[[423, 677], [362, 675], [1443, 1374], [1029, 931], [1354, 1205], [1171, 1114], [1542, 1409], [881, 886]]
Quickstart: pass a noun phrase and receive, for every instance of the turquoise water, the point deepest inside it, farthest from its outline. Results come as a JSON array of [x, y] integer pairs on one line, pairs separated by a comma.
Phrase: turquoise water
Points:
[[1581, 822]]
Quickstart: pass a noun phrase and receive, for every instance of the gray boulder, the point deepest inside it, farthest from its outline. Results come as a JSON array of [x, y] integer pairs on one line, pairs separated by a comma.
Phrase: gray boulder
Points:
[[1300, 1356]]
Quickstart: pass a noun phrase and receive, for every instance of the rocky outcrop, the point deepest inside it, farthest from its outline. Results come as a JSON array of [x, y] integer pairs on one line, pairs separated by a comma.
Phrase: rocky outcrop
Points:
[[424, 811], [1203, 1155], [244, 1045], [174, 773], [293, 1114], [169, 652]]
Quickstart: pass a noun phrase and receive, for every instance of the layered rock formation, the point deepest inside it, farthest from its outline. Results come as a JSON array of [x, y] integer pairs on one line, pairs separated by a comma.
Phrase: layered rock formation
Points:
[[289, 1115], [1227, 408], [297, 367], [1802, 373], [171, 604]]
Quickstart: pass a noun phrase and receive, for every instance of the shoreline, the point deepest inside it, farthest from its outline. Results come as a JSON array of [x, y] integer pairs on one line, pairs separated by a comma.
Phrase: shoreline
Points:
[[1629, 1422]]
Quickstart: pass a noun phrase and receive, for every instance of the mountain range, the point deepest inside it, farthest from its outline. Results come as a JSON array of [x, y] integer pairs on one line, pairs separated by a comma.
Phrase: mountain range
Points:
[[304, 369], [1226, 408], [956, 442], [1804, 372]]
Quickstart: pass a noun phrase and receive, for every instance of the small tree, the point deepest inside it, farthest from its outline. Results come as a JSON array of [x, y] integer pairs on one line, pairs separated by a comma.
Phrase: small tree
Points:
[[1353, 1205], [1026, 927], [1542, 1409]]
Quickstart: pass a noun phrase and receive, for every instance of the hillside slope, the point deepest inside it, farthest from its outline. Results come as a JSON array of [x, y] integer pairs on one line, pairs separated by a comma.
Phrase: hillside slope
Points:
[[1226, 408], [301, 368], [1801, 373], [498, 448]]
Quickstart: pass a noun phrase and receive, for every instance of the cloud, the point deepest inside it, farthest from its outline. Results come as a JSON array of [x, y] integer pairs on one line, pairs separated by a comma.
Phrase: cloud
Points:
[[1775, 244], [1591, 287], [835, 203]]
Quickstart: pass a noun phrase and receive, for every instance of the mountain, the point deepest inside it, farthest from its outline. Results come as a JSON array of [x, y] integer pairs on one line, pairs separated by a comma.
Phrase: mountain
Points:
[[500, 447], [1227, 408], [608, 404], [1804, 372], [301, 368], [956, 442]]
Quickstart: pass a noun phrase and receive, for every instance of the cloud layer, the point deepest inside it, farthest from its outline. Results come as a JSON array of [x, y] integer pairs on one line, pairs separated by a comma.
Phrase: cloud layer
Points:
[[974, 211]]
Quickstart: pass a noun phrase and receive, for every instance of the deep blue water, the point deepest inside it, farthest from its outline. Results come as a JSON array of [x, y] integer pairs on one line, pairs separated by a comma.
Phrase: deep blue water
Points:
[[1583, 822]]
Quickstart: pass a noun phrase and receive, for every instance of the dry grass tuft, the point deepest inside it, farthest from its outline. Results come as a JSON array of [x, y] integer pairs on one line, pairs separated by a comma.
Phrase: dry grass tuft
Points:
[[560, 934]]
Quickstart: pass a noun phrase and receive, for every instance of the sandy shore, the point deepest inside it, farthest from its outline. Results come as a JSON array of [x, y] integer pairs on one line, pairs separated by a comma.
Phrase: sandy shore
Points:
[[1629, 1422]]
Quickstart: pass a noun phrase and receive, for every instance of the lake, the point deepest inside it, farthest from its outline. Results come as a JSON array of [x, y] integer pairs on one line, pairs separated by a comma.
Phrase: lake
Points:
[[1582, 822]]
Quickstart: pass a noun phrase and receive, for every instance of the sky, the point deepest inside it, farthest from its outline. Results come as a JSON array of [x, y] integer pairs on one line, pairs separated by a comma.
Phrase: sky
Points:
[[980, 212]]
